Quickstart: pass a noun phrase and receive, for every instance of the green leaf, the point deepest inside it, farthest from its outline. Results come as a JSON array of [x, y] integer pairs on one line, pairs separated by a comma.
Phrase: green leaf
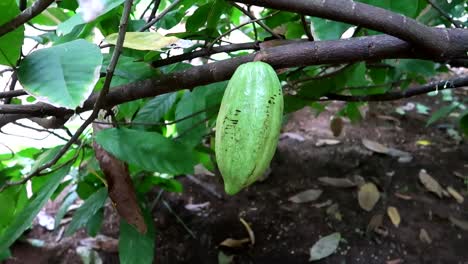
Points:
[[90, 207], [94, 224], [201, 98], [5, 255], [464, 124], [52, 16], [198, 18], [45, 157], [143, 40], [77, 20], [424, 68], [64, 207], [128, 70], [147, 150], [135, 247], [7, 207], [24, 218], [62, 75], [156, 108], [10, 43], [326, 29], [442, 112]]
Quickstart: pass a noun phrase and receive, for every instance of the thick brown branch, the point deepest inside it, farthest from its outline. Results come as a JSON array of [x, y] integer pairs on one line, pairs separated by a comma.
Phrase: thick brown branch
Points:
[[390, 96], [25, 16], [367, 16], [294, 54]]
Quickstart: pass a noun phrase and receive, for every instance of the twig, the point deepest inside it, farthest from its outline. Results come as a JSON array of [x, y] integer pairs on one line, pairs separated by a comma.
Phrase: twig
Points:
[[163, 13], [178, 219], [146, 10], [99, 101], [390, 96], [11, 94], [9, 149], [258, 21], [306, 28], [157, 123], [237, 27], [25, 16], [445, 14], [154, 10], [41, 130], [14, 80], [205, 52]]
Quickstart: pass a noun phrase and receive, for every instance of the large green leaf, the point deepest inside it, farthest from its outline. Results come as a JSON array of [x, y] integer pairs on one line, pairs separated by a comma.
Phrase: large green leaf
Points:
[[156, 108], [87, 210], [135, 247], [23, 219], [10, 44], [62, 75], [147, 150]]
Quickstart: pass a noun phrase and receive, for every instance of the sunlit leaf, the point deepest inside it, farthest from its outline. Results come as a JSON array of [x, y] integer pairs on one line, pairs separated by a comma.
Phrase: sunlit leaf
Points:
[[143, 40]]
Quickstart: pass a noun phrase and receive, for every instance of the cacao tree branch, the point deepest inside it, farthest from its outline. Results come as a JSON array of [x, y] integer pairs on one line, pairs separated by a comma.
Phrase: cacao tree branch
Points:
[[390, 96], [11, 94], [25, 16], [294, 54], [259, 22], [163, 13], [367, 16]]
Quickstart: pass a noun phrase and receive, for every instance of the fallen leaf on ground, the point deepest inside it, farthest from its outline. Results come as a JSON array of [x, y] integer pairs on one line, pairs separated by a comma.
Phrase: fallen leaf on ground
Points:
[[197, 207], [456, 195], [424, 236], [375, 146], [306, 196], [337, 182], [375, 222], [325, 246], [234, 243], [394, 215], [368, 196], [430, 183], [423, 142], [336, 125], [249, 230], [395, 261], [320, 205], [327, 142], [403, 196], [334, 211], [291, 135], [463, 224]]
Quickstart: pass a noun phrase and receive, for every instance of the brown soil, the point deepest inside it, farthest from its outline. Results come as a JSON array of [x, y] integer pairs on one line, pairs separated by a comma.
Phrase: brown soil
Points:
[[285, 231]]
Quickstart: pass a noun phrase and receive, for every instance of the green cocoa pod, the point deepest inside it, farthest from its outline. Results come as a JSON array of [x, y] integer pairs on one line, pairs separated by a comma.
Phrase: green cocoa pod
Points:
[[248, 125]]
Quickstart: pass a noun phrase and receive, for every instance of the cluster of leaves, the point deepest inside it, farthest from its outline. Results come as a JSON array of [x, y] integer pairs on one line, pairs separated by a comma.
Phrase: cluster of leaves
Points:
[[168, 135]]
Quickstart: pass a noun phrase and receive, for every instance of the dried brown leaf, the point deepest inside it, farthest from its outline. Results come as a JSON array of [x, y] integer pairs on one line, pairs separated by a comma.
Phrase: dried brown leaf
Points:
[[368, 196], [120, 185], [336, 125], [375, 222], [249, 230], [234, 243], [337, 182], [430, 183], [306, 196], [394, 216]]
